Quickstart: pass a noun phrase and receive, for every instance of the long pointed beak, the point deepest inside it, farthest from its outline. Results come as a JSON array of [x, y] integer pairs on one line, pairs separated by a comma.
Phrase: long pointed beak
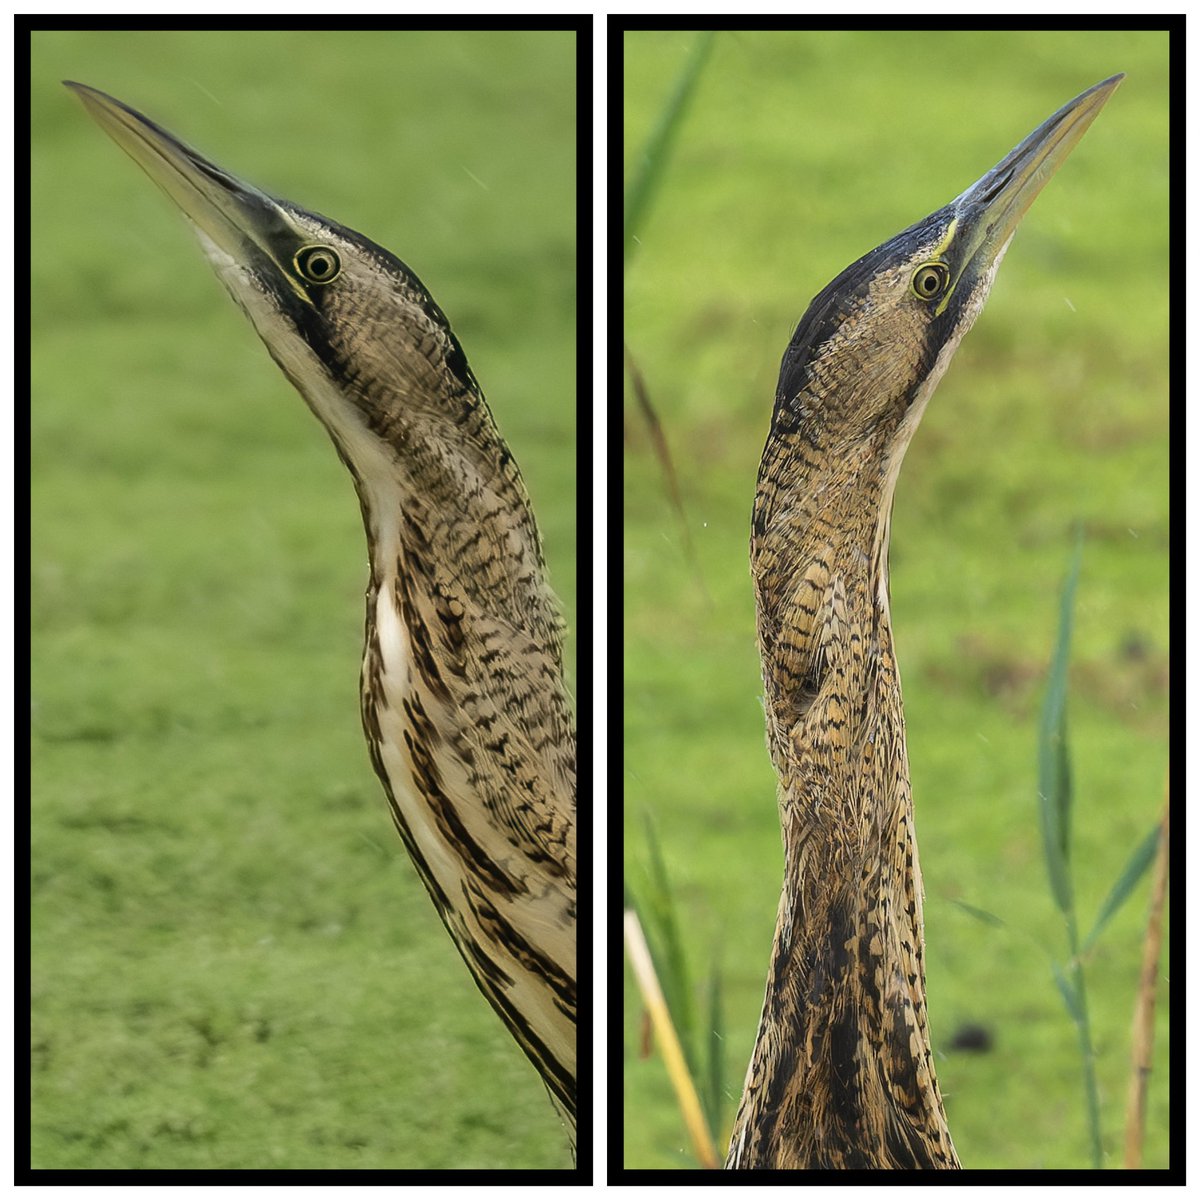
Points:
[[231, 214], [991, 208]]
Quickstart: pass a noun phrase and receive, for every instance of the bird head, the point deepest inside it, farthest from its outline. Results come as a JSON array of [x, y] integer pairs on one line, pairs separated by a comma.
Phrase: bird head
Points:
[[868, 353], [349, 324]]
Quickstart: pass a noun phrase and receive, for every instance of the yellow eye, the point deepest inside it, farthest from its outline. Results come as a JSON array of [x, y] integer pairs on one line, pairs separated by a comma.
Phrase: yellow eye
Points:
[[930, 280], [317, 264]]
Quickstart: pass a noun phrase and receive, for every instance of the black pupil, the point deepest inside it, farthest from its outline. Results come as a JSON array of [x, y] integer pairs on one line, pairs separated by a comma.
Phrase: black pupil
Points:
[[319, 265]]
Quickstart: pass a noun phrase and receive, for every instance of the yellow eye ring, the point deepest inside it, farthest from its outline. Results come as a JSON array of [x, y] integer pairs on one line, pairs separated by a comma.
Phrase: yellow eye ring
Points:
[[930, 280], [317, 264]]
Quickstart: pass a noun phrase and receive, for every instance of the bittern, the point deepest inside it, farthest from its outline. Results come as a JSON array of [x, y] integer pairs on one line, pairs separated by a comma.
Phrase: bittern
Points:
[[464, 703], [842, 1074]]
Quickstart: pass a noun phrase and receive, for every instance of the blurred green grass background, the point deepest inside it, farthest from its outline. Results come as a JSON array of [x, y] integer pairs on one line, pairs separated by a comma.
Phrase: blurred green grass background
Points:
[[800, 153], [234, 965]]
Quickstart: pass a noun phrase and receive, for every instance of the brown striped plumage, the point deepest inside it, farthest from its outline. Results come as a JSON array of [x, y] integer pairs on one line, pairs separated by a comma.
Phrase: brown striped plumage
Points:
[[464, 702], [842, 1075], [469, 725]]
